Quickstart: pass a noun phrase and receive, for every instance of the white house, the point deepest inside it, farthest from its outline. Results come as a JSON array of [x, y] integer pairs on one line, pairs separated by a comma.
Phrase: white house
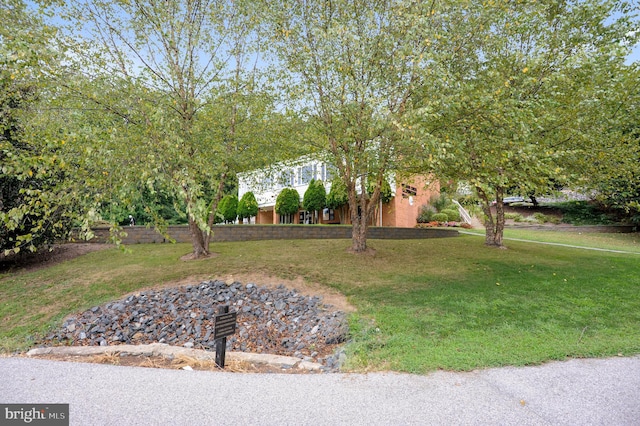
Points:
[[266, 184]]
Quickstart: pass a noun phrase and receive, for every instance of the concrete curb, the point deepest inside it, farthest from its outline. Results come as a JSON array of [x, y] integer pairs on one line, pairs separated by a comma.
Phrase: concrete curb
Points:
[[161, 349]]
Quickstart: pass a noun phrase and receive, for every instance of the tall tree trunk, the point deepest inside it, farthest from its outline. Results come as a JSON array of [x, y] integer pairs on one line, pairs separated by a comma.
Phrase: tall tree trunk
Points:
[[212, 213], [358, 215], [361, 209], [198, 239], [358, 234], [494, 225]]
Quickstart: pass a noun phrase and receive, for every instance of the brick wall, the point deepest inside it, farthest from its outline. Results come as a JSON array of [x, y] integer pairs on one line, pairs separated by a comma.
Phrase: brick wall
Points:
[[144, 235]]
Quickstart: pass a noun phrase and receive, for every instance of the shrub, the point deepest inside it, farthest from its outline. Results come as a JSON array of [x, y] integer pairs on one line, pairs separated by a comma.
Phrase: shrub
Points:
[[543, 218], [247, 206], [540, 217], [440, 202], [426, 214], [228, 207], [314, 197], [287, 203], [452, 214], [554, 219], [440, 217], [516, 217], [337, 196], [583, 213]]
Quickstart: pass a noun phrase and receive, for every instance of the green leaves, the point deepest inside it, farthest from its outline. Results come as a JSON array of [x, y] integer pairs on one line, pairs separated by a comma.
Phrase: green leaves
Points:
[[40, 199], [228, 208], [353, 68], [314, 198], [248, 206], [337, 196], [517, 110], [287, 202]]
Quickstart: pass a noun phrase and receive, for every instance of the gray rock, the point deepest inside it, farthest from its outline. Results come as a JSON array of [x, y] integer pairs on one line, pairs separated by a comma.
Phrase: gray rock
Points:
[[277, 321]]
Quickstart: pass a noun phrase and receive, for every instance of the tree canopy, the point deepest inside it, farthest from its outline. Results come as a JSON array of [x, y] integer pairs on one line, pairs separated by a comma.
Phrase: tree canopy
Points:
[[187, 91], [353, 66], [41, 194], [129, 104], [515, 104]]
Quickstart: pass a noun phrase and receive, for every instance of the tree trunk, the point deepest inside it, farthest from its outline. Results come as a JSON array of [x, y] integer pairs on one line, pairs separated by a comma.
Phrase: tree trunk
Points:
[[198, 240], [358, 235], [494, 225], [361, 211], [357, 213], [206, 236]]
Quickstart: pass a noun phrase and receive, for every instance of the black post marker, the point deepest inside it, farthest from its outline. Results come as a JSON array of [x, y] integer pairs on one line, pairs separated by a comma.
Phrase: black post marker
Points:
[[221, 343]]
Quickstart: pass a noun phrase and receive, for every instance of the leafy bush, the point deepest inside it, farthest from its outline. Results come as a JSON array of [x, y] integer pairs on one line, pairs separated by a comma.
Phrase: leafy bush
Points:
[[440, 217], [516, 217], [621, 196], [247, 206], [540, 217], [440, 202], [37, 208], [315, 196], [288, 203], [337, 196], [583, 213], [426, 214], [543, 218], [228, 208], [452, 214]]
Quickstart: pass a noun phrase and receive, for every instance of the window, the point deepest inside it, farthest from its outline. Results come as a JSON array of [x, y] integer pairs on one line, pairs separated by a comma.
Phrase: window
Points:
[[267, 183], [328, 172], [287, 178], [306, 173], [408, 191], [328, 215]]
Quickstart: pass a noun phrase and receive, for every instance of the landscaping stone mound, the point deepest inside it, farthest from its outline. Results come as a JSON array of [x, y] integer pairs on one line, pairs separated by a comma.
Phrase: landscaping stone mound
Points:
[[276, 321]]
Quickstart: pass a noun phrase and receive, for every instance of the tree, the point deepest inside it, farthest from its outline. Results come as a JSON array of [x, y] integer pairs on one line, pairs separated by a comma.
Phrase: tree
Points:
[[354, 65], [337, 198], [41, 196], [248, 206], [314, 198], [516, 101], [228, 208], [287, 204], [189, 67], [609, 167]]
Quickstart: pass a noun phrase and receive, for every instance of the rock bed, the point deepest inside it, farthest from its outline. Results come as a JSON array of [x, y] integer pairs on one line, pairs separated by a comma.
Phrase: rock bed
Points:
[[269, 320]]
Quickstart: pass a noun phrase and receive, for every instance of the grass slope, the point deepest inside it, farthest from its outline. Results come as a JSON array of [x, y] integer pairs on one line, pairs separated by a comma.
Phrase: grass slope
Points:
[[422, 304]]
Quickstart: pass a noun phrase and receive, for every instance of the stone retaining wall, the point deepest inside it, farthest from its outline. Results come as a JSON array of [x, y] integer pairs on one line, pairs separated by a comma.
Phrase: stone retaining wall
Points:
[[144, 235]]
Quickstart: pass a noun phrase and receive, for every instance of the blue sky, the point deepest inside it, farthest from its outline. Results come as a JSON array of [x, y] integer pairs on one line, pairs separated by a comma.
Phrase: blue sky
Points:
[[635, 55]]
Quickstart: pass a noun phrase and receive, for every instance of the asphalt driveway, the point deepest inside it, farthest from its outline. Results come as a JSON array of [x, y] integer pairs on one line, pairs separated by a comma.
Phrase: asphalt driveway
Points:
[[575, 392]]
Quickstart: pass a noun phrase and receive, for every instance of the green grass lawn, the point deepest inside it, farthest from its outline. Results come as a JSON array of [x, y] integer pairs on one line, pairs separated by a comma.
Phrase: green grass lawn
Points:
[[421, 304], [623, 242]]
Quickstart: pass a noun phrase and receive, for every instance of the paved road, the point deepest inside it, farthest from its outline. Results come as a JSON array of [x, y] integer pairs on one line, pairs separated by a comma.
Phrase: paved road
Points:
[[576, 392]]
